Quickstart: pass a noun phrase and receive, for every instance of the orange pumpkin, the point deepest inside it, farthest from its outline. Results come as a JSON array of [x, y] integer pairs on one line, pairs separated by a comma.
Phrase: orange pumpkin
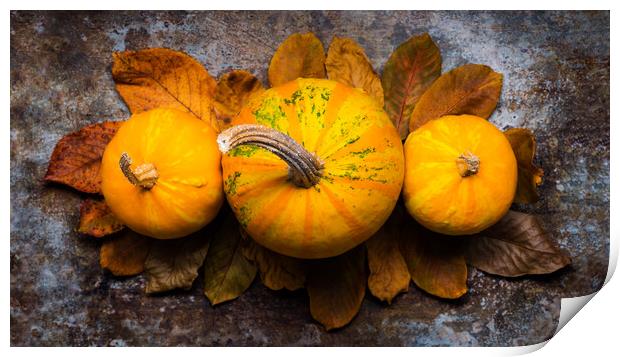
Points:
[[313, 168], [161, 174], [460, 174]]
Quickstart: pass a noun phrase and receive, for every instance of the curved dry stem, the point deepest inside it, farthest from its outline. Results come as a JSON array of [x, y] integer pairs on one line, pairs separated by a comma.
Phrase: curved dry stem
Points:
[[144, 175], [305, 169]]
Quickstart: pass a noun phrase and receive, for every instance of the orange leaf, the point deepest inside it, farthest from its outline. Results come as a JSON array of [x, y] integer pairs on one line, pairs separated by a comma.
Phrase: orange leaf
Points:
[[517, 245], [336, 287], [233, 91], [388, 271], [277, 271], [125, 255], [347, 63], [530, 176], [469, 89], [409, 71], [97, 220], [436, 262], [159, 77], [300, 55], [76, 159]]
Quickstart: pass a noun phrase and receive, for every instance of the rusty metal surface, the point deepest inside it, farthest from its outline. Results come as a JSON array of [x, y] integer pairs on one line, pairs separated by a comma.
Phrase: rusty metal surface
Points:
[[556, 82]]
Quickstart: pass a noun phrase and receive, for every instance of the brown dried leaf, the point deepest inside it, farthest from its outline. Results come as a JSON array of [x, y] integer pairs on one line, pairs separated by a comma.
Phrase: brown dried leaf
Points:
[[227, 272], [233, 91], [469, 89], [530, 176], [300, 55], [97, 220], [408, 73], [125, 255], [159, 77], [76, 159], [174, 263], [336, 287], [347, 63], [389, 275], [517, 245], [436, 262], [277, 271]]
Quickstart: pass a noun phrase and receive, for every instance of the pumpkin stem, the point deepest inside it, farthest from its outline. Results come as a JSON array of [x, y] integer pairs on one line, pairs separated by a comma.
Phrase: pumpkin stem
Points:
[[305, 169], [144, 175], [468, 164]]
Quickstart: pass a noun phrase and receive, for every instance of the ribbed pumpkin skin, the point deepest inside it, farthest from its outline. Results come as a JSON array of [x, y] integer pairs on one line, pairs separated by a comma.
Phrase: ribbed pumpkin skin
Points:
[[437, 196], [188, 193], [362, 178]]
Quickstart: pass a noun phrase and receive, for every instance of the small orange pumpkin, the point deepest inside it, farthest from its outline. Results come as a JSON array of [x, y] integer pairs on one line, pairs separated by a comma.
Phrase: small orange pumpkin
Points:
[[460, 174], [312, 168], [161, 174]]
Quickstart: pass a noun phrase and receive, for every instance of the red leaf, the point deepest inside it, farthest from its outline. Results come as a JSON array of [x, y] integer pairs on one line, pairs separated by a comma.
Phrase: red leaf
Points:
[[76, 159], [409, 71]]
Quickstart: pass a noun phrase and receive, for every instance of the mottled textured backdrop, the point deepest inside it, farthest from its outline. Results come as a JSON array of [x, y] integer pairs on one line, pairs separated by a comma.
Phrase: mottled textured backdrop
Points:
[[556, 82]]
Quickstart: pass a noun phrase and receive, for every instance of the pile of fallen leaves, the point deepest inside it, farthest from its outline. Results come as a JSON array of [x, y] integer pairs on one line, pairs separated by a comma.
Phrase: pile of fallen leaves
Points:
[[412, 90]]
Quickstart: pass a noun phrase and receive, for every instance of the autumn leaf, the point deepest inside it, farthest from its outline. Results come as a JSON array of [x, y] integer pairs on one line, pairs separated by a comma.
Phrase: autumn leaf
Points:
[[159, 77], [436, 262], [389, 275], [517, 245], [174, 263], [530, 176], [97, 220], [336, 287], [347, 63], [408, 73], [227, 272], [233, 91], [469, 89], [76, 159], [277, 271], [300, 55], [125, 255]]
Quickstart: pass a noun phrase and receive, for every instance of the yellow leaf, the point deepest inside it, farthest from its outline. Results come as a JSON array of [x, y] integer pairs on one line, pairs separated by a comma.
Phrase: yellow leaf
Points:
[[530, 176], [97, 220], [389, 275], [125, 255], [277, 271], [234, 90], [347, 63], [300, 55], [336, 287], [469, 89], [159, 77], [227, 272]]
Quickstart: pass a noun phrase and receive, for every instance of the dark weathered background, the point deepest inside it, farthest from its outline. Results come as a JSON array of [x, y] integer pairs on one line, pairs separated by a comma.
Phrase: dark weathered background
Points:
[[556, 82]]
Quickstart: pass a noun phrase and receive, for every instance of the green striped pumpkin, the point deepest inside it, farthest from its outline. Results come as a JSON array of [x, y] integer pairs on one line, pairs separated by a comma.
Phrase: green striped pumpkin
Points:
[[312, 168]]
